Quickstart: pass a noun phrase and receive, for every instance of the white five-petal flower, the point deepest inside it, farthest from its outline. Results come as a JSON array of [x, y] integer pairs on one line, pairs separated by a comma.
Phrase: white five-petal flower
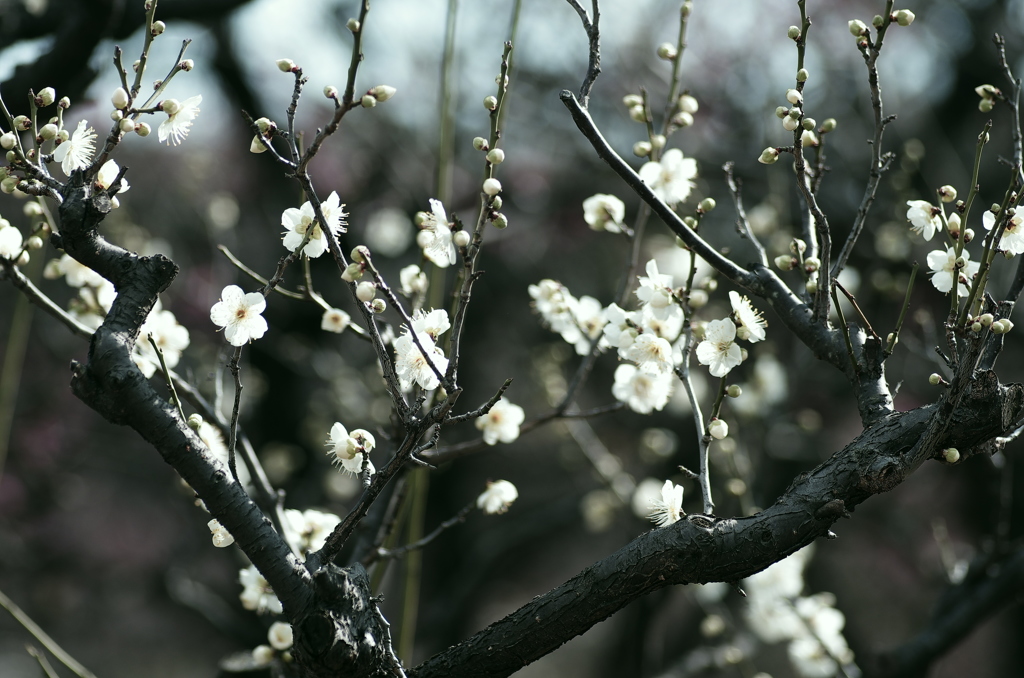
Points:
[[501, 423], [413, 367], [924, 218], [335, 320], [180, 115], [604, 212], [498, 496], [749, 323], [642, 392], [672, 178], [943, 265], [1012, 239], [239, 314], [10, 242], [348, 448], [435, 236], [669, 509], [76, 152], [297, 220], [719, 350]]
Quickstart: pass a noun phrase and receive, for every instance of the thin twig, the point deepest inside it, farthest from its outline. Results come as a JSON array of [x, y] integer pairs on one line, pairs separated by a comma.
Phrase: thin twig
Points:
[[233, 438], [387, 554], [40, 635], [742, 223]]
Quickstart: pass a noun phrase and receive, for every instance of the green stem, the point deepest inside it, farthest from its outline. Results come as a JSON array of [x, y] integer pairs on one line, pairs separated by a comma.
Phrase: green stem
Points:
[[419, 482]]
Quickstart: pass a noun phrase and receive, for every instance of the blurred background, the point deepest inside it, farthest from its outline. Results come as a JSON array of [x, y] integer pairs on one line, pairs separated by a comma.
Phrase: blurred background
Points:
[[103, 548]]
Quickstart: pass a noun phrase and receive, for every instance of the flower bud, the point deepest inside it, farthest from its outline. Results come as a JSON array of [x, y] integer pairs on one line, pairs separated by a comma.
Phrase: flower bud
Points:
[[492, 186], [698, 299], [632, 100], [1007, 324], [461, 238], [968, 235], [496, 202], [802, 75], [794, 97], [360, 254], [812, 264], [960, 262], [638, 114], [658, 141], [690, 222], [642, 149], [330, 91], [808, 138], [682, 119], [667, 51], [143, 129], [383, 92], [31, 209], [734, 391], [934, 378], [119, 98], [877, 21], [769, 156], [187, 65], [811, 287], [158, 28], [793, 32], [688, 104], [262, 655], [986, 319], [828, 126], [367, 101], [781, 112], [790, 124], [977, 327], [986, 105], [808, 124], [795, 113], [48, 131], [353, 25], [170, 106], [9, 184], [490, 102], [22, 123], [480, 144], [116, 115], [857, 28], [496, 156], [706, 205], [11, 156], [34, 242], [286, 65], [951, 455], [23, 258], [905, 17], [378, 306], [500, 221], [45, 97], [947, 193], [785, 262], [352, 273], [64, 103], [127, 125], [718, 429], [195, 421], [366, 291]]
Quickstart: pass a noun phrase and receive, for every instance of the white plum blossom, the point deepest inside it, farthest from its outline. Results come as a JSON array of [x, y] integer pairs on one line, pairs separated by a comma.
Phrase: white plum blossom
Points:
[[413, 367], [497, 498], [1012, 239], [106, 176], [435, 236], [719, 350], [750, 325], [307, 531], [652, 355], [335, 320], [943, 266], [413, 281], [76, 152], [348, 448], [170, 337], [667, 325], [620, 327], [670, 179], [924, 218], [501, 423], [180, 115], [557, 308], [297, 222], [589, 317], [433, 323], [604, 212], [10, 242], [280, 636], [640, 391], [221, 537], [656, 290], [239, 314], [669, 508], [256, 592]]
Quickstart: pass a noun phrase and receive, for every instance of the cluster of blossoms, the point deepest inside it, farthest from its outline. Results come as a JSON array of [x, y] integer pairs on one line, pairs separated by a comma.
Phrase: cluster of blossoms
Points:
[[414, 366], [347, 449], [812, 626]]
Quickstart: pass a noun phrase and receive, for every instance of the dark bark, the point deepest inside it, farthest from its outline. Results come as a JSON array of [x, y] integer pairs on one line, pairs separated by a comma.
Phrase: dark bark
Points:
[[697, 550]]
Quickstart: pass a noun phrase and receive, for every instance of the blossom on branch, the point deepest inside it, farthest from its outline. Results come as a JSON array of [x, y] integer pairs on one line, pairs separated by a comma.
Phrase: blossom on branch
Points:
[[668, 509], [413, 367], [750, 325], [239, 314], [435, 236], [656, 290], [604, 213], [501, 423], [671, 179], [719, 350], [924, 218], [1012, 240], [297, 222], [348, 448], [76, 152], [335, 320], [642, 392], [180, 115], [944, 270]]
